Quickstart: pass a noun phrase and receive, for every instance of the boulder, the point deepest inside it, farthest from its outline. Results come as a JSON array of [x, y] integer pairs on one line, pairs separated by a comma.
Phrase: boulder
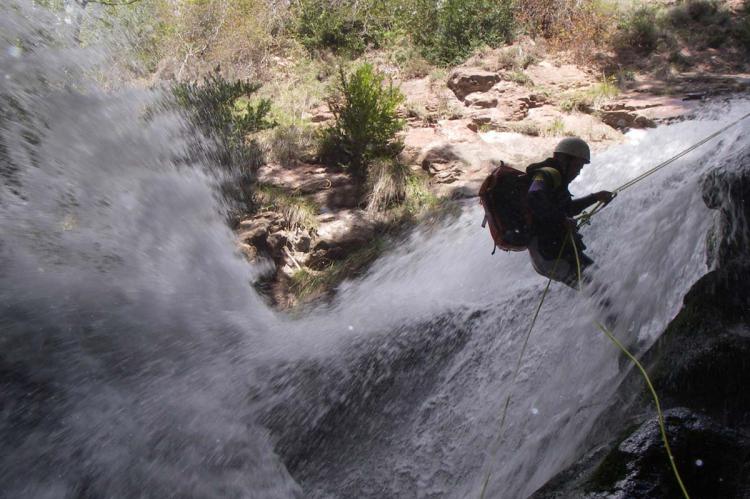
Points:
[[339, 233], [481, 100], [708, 455], [443, 163], [464, 81], [625, 120]]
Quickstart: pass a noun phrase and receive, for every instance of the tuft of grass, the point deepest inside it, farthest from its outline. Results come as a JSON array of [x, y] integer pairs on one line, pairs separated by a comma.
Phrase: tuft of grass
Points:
[[406, 57], [307, 283], [588, 99], [518, 76], [555, 129], [516, 58], [386, 184], [290, 144], [530, 128], [419, 199], [297, 211]]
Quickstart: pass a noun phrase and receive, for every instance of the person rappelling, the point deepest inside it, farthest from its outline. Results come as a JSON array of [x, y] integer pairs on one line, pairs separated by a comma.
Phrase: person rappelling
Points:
[[535, 211]]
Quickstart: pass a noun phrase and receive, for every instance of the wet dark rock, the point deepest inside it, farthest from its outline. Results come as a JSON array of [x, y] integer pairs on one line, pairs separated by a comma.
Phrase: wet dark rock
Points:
[[713, 460], [703, 358], [728, 191]]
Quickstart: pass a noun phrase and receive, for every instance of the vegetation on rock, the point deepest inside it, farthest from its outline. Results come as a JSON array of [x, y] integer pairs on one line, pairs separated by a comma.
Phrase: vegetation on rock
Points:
[[366, 121]]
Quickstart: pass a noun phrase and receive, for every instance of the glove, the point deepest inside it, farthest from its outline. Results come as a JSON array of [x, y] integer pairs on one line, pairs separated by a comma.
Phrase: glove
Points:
[[604, 196]]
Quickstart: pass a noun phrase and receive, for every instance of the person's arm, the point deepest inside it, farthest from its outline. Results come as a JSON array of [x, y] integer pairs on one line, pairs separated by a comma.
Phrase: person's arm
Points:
[[576, 206], [541, 203]]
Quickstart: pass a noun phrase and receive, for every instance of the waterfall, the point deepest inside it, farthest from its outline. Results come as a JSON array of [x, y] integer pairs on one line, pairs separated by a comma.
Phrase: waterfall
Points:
[[136, 360]]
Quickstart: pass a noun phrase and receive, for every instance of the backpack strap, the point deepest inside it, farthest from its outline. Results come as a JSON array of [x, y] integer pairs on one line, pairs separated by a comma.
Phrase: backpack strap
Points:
[[552, 176]]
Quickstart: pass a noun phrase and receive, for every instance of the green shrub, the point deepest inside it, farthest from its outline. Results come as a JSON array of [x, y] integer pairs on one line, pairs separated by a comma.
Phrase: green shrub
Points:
[[449, 30], [365, 124], [347, 26], [639, 31], [223, 106], [223, 111]]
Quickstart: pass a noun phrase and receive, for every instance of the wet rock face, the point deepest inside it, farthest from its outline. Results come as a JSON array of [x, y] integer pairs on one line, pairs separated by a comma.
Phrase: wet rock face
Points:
[[728, 192], [710, 457]]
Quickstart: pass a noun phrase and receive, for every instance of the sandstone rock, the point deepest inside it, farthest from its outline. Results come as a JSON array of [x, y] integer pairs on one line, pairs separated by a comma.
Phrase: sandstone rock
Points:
[[302, 243], [254, 231], [561, 77], [343, 230], [464, 81], [248, 251], [440, 160], [481, 100], [624, 120], [416, 140]]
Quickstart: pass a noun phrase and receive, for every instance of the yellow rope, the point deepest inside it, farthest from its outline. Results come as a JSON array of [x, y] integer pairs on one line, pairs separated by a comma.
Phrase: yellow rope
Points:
[[645, 376], [656, 403]]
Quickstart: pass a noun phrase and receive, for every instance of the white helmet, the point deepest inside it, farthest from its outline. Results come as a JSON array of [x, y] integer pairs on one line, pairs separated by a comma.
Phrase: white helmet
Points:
[[573, 146]]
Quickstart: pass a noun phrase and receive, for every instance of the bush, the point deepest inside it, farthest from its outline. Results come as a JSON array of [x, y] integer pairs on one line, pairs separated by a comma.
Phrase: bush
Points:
[[449, 30], [365, 124], [639, 31], [581, 26], [222, 110], [347, 26]]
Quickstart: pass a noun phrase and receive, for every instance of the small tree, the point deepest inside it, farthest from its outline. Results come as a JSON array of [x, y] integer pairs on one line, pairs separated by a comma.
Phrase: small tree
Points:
[[222, 110], [366, 123]]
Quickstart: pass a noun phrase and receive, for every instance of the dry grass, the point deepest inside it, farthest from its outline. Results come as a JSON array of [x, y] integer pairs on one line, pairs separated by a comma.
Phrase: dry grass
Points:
[[581, 27], [297, 211], [307, 284], [288, 145], [386, 184]]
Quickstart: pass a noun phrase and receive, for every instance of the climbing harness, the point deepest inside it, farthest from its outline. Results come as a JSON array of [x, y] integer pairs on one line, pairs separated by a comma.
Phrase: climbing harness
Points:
[[584, 219]]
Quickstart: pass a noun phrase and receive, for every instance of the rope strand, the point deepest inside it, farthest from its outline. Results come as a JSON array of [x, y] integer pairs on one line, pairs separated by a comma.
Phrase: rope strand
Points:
[[585, 218]]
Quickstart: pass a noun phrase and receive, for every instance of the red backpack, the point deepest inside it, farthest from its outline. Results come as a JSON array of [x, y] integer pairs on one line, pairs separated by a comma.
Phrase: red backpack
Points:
[[503, 196]]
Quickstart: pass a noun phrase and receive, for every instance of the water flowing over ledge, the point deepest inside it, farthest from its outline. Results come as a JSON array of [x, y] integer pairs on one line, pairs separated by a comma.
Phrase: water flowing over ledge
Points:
[[137, 360]]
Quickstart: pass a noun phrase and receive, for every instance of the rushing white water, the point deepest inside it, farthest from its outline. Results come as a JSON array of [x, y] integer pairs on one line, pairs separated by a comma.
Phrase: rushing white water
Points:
[[442, 438], [137, 361]]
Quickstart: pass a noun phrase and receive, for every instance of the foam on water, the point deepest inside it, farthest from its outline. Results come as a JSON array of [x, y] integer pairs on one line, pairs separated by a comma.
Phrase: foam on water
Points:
[[136, 359]]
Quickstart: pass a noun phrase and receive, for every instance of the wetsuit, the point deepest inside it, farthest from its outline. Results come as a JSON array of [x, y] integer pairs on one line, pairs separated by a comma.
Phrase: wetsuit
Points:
[[551, 206]]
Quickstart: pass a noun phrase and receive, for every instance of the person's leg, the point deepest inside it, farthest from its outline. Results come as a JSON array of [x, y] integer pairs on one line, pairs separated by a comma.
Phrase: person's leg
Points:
[[557, 269]]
